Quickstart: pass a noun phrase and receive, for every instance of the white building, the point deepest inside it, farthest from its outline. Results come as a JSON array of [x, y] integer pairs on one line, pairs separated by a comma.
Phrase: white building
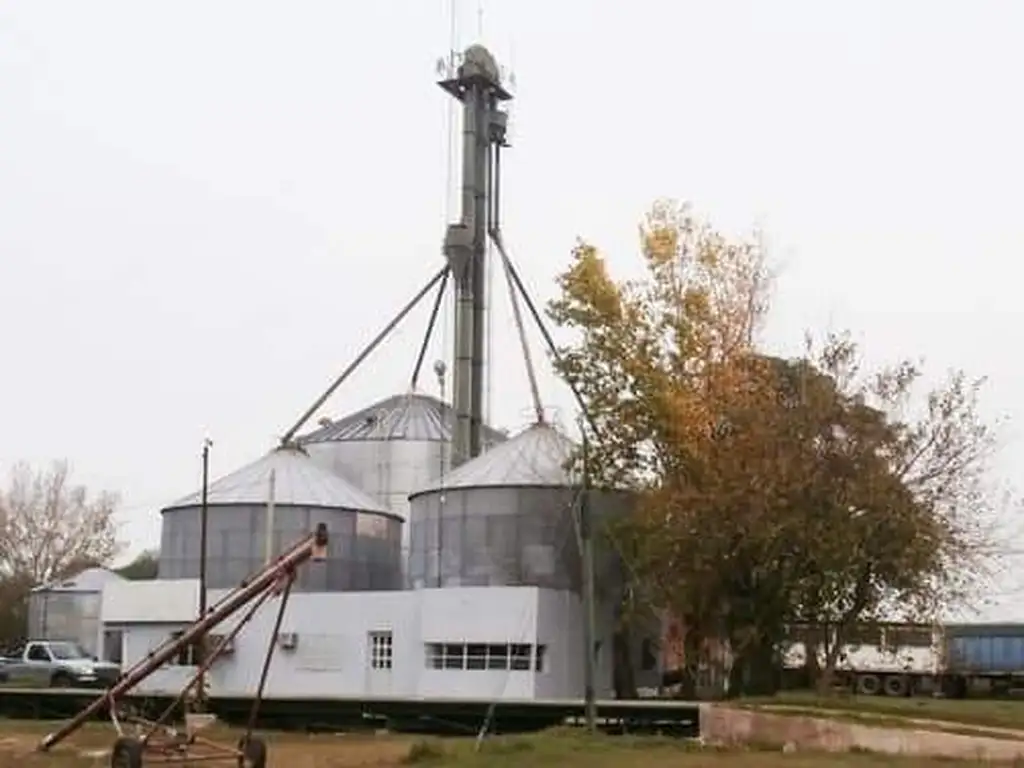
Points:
[[495, 614], [481, 643]]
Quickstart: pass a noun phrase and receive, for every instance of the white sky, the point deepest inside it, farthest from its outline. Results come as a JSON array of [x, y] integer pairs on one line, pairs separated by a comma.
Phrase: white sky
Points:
[[206, 208]]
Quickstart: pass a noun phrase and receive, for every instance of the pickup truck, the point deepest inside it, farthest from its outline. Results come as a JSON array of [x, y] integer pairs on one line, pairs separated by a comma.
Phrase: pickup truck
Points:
[[56, 664]]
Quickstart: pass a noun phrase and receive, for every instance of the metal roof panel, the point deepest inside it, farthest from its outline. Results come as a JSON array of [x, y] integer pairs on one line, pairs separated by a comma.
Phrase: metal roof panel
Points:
[[410, 416], [298, 481], [537, 456]]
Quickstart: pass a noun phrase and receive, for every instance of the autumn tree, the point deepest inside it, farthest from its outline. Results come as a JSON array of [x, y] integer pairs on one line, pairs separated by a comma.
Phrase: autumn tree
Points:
[[652, 359], [50, 528], [911, 517], [770, 490]]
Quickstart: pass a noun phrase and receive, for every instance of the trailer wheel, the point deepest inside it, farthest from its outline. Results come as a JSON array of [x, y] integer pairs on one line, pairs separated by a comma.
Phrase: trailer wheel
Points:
[[253, 752], [897, 685], [127, 753], [868, 685]]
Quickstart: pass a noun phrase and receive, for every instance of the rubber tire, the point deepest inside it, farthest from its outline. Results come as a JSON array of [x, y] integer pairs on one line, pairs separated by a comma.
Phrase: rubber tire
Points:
[[868, 685], [61, 680], [254, 752], [127, 753], [896, 685]]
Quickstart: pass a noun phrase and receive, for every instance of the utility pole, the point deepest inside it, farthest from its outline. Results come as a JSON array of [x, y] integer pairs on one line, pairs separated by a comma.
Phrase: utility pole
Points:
[[439, 369], [589, 611], [199, 647]]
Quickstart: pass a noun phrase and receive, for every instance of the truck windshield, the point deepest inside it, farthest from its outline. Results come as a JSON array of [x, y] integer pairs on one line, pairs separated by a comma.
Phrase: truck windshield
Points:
[[68, 651]]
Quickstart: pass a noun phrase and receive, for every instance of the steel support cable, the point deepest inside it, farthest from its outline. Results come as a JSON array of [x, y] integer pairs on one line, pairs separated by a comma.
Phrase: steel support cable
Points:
[[429, 332], [549, 340], [517, 315], [367, 351]]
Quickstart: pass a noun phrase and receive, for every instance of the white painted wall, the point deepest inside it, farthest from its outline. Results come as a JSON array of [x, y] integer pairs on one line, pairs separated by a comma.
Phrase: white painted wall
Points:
[[477, 615], [166, 601], [332, 657]]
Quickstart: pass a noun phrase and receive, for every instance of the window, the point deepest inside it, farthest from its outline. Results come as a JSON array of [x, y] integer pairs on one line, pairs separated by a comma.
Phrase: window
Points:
[[185, 656], [37, 653], [113, 645], [476, 656], [381, 650], [455, 656], [519, 656], [64, 651], [497, 656], [484, 656]]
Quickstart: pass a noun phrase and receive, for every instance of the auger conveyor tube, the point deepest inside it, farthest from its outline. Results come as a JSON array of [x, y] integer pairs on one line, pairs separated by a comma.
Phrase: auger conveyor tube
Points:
[[312, 546]]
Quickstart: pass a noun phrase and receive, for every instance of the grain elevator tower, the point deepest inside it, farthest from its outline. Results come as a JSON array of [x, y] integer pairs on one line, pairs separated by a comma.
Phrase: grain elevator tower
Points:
[[475, 81]]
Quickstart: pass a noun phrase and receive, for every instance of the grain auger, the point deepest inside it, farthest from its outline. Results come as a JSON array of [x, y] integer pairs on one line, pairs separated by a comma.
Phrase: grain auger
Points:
[[139, 738]]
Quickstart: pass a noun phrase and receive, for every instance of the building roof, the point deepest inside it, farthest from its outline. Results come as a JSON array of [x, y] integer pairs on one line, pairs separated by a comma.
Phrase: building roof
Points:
[[537, 456], [410, 416], [89, 580], [298, 481]]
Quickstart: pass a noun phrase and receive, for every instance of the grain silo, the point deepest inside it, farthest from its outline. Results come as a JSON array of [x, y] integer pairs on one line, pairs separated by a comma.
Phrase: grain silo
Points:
[[69, 609], [506, 518], [365, 540], [391, 448]]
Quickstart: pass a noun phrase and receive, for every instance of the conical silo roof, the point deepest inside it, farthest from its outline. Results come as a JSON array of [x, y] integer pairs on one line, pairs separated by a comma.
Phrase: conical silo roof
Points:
[[88, 580], [298, 481], [536, 457], [409, 416]]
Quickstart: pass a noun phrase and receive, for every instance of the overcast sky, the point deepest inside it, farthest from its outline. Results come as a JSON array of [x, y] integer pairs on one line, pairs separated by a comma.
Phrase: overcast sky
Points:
[[206, 208]]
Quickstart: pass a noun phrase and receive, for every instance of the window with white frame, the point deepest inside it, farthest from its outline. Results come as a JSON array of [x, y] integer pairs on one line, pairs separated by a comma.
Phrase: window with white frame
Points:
[[381, 650], [480, 656]]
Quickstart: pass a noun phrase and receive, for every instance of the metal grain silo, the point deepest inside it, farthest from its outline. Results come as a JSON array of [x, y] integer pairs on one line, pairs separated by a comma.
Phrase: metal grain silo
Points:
[[69, 609], [391, 448], [365, 540], [506, 519]]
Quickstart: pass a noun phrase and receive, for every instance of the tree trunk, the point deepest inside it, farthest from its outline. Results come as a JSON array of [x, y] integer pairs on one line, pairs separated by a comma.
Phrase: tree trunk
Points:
[[692, 656], [812, 669], [828, 671], [622, 665], [755, 671]]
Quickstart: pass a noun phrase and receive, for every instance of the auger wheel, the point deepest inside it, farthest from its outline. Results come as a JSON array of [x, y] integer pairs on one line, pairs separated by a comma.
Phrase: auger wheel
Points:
[[252, 752], [127, 753]]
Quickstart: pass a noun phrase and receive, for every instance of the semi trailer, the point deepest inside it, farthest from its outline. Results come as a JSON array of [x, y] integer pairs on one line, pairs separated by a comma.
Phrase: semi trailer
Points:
[[953, 660]]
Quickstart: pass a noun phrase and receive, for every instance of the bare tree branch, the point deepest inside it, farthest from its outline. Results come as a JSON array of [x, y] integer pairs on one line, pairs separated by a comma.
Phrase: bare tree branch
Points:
[[50, 527]]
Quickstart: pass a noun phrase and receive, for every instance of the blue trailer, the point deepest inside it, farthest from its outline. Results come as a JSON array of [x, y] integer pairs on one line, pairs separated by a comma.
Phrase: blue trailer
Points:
[[983, 658]]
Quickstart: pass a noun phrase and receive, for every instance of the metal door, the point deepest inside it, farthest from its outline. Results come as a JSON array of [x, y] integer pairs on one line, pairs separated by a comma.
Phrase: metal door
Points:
[[379, 662]]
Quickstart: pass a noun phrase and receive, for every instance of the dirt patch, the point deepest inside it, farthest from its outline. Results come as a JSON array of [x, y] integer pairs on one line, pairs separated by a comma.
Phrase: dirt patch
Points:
[[888, 720], [92, 750], [726, 725], [568, 748]]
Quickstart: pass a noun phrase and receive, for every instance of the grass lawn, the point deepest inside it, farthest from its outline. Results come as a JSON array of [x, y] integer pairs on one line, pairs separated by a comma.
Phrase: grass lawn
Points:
[[560, 748], [992, 713]]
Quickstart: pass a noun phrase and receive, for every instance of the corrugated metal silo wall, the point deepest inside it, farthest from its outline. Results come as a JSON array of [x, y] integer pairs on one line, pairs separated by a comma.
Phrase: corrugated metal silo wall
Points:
[[388, 470], [64, 615], [364, 550], [505, 537]]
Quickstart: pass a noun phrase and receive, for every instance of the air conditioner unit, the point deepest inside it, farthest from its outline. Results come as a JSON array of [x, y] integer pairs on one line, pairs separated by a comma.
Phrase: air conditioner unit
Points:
[[288, 640]]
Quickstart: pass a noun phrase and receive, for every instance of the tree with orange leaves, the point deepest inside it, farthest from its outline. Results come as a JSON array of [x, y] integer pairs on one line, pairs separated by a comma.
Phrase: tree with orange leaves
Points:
[[770, 491]]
